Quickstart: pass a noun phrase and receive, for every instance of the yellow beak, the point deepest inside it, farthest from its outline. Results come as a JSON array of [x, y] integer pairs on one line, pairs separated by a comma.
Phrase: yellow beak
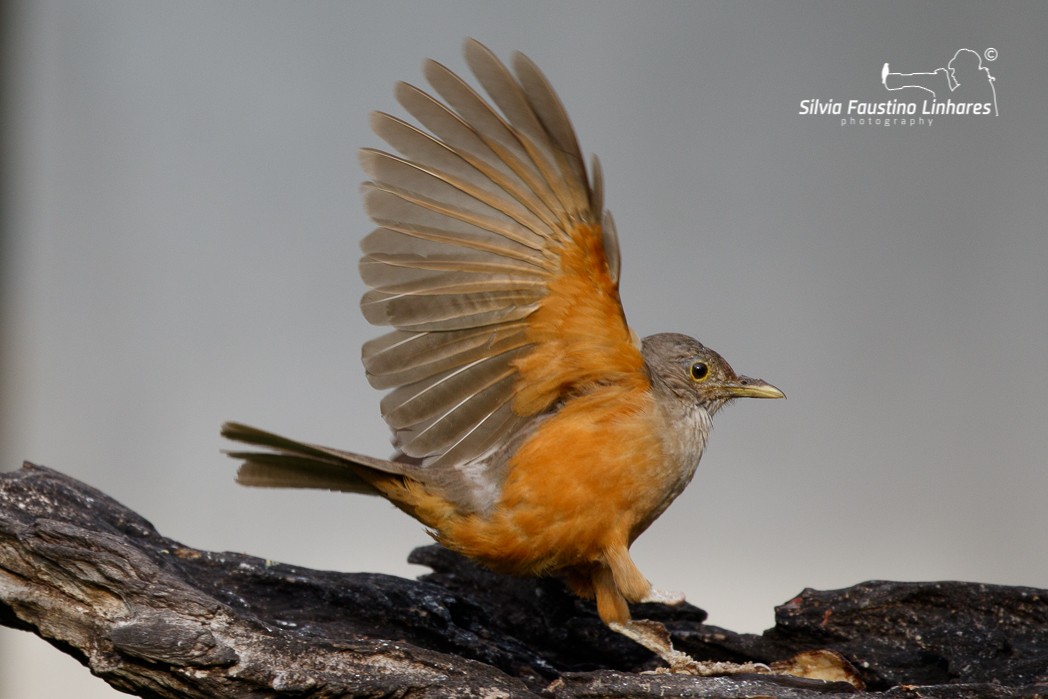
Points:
[[745, 387]]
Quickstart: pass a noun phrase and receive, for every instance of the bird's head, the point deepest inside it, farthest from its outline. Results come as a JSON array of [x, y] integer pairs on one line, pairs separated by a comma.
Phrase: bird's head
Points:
[[696, 375]]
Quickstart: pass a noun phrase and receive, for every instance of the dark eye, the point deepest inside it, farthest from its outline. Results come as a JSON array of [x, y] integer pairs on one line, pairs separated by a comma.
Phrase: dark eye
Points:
[[699, 371]]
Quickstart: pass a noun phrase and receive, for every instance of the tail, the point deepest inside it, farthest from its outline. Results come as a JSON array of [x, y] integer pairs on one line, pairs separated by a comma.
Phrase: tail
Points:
[[287, 463]]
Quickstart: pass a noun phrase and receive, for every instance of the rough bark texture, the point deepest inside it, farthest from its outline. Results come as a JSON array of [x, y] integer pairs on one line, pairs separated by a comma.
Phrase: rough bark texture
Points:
[[158, 619]]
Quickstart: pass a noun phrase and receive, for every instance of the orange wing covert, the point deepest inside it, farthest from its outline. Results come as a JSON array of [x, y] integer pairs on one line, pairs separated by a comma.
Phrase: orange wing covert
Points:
[[579, 333]]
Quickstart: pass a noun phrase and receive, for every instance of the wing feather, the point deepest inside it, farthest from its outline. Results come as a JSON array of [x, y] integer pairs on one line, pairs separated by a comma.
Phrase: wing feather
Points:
[[510, 98], [433, 399], [383, 209], [473, 159], [508, 145], [406, 274], [414, 231], [399, 358], [451, 312], [433, 184]]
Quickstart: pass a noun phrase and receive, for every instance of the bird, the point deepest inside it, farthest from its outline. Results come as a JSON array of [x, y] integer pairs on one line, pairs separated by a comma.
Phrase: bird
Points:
[[535, 433]]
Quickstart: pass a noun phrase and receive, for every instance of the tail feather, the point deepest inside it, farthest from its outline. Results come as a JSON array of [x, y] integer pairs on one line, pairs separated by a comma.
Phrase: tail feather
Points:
[[293, 464], [269, 470]]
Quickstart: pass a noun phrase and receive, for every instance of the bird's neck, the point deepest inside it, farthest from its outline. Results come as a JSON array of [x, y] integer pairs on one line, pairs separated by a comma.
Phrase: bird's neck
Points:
[[683, 431]]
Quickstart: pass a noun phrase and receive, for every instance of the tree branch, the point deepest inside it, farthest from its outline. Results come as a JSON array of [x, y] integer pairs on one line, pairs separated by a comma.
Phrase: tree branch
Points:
[[158, 619]]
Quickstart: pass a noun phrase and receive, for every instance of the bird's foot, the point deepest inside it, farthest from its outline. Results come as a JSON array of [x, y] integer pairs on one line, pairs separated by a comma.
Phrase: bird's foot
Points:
[[663, 597], [654, 636]]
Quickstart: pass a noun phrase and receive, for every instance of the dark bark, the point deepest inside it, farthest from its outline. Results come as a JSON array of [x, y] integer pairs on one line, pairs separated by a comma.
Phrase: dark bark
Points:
[[158, 619]]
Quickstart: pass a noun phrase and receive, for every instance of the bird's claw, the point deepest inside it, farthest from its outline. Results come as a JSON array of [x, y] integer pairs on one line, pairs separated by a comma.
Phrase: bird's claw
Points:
[[664, 597], [654, 636]]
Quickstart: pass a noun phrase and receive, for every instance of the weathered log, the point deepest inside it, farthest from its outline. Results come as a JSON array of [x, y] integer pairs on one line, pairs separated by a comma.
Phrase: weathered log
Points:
[[156, 618]]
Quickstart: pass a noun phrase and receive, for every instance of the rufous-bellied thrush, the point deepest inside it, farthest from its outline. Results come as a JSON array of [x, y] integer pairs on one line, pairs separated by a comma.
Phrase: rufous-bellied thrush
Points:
[[534, 432]]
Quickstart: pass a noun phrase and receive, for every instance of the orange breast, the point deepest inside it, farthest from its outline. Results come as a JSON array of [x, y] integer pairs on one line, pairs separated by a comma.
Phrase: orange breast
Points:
[[579, 486], [589, 478]]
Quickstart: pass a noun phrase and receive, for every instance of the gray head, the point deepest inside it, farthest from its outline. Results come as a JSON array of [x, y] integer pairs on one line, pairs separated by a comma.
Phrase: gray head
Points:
[[694, 374]]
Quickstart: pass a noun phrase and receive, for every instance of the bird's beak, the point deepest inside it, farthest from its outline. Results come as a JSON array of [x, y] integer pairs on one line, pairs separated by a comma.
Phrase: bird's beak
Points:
[[745, 387]]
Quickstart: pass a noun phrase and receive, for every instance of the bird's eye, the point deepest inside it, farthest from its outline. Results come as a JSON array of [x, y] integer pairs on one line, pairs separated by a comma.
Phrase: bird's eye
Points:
[[699, 371]]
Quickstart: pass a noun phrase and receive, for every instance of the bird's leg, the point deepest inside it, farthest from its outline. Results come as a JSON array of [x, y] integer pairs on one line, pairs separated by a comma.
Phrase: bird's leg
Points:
[[620, 580], [632, 583]]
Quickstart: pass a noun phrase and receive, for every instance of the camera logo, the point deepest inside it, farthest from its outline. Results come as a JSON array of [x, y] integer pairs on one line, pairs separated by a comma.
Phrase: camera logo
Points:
[[964, 82]]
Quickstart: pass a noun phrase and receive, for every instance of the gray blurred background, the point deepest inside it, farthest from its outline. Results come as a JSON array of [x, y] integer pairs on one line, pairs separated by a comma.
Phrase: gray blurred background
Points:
[[180, 229]]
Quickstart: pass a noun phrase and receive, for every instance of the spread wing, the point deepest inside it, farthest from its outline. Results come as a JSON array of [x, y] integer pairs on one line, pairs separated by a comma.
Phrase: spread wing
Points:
[[493, 261]]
